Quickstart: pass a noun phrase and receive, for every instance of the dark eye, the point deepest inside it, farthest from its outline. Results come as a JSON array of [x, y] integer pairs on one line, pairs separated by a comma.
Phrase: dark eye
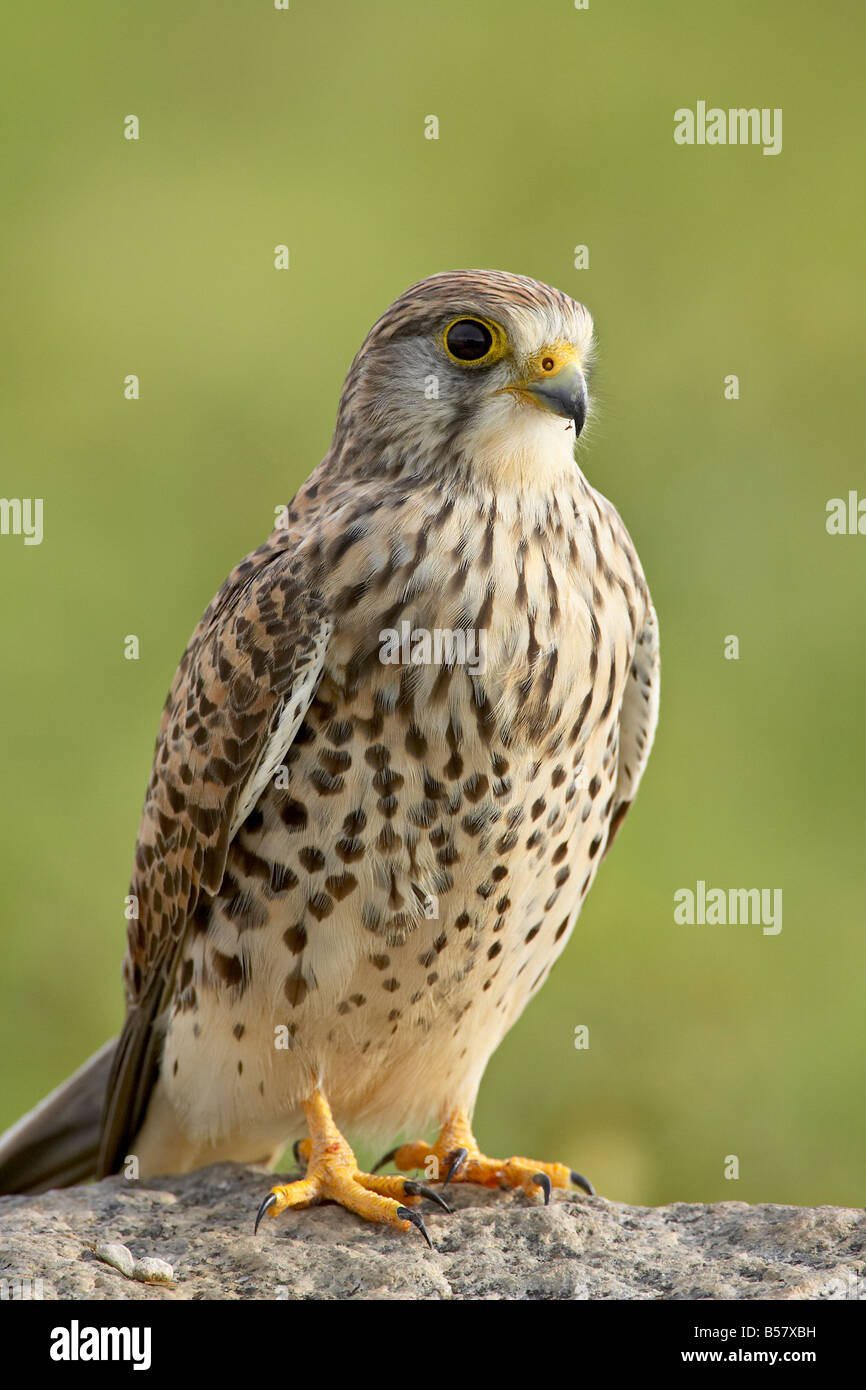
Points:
[[469, 340]]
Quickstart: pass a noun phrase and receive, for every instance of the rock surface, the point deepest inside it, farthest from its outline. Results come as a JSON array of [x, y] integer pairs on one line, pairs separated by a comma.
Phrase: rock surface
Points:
[[493, 1246]]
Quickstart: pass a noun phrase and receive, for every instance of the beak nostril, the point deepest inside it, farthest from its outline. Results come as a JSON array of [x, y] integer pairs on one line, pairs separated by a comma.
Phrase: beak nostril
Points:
[[556, 386]]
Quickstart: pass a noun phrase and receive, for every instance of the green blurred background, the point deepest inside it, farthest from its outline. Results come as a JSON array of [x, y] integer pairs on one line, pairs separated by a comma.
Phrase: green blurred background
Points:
[[155, 257]]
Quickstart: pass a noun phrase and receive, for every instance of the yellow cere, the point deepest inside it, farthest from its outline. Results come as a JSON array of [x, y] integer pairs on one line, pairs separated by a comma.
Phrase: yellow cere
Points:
[[551, 360]]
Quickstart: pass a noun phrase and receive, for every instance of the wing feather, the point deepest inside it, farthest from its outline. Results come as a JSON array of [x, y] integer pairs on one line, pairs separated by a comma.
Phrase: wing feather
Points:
[[240, 694], [638, 719]]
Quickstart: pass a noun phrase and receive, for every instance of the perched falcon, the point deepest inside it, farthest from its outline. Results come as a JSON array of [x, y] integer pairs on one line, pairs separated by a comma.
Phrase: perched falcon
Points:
[[399, 744]]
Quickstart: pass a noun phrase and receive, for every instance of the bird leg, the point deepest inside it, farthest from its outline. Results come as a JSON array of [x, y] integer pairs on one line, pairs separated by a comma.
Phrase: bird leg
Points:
[[455, 1157], [333, 1176]]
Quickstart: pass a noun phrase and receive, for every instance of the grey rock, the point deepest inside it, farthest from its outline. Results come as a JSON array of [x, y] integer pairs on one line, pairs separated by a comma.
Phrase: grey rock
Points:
[[493, 1246], [151, 1270], [120, 1257]]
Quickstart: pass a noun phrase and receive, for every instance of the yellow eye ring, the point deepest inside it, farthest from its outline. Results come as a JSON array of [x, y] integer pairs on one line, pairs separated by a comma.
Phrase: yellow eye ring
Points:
[[471, 341]]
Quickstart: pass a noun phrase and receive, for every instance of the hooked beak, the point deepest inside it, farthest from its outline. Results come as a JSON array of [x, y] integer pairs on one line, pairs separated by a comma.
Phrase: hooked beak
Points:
[[555, 382]]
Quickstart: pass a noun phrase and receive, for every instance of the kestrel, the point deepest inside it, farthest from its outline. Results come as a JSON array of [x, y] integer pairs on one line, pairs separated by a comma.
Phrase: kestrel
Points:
[[355, 869]]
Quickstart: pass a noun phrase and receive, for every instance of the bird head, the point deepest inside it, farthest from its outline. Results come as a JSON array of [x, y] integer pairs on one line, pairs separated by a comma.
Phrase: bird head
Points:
[[477, 374]]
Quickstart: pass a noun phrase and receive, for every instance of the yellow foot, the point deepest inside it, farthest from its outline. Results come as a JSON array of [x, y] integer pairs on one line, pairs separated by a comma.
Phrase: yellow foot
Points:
[[455, 1157], [333, 1176]]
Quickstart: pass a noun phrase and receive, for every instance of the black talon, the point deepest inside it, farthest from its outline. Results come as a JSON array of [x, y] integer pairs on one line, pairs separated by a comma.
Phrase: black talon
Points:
[[580, 1181], [545, 1184], [417, 1219], [387, 1159], [266, 1205], [417, 1189], [456, 1160]]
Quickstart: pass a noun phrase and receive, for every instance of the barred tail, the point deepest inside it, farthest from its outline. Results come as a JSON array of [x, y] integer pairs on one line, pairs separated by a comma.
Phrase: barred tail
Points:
[[55, 1144]]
